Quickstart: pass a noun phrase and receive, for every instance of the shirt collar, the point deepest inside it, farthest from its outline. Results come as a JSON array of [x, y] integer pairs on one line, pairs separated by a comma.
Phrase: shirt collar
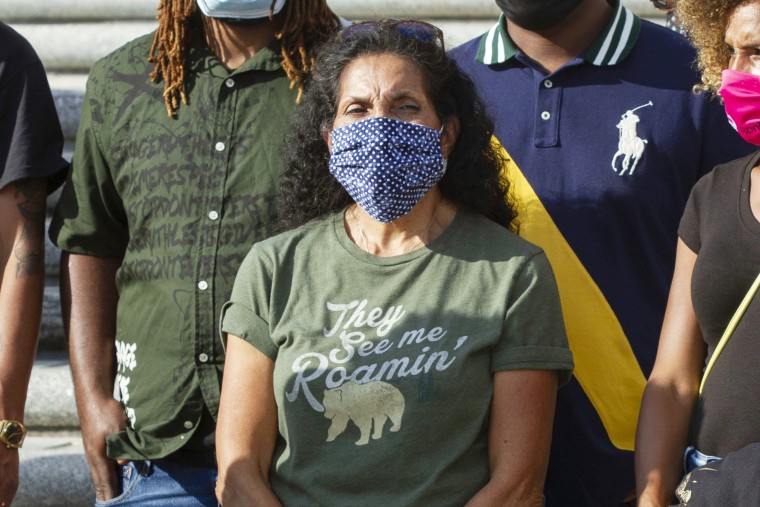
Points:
[[610, 48]]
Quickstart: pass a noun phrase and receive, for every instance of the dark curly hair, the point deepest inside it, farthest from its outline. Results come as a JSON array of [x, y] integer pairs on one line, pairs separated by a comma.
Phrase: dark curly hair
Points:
[[473, 176]]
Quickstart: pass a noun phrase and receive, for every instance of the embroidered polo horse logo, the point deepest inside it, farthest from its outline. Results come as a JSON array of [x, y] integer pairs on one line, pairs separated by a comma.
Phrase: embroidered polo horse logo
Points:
[[630, 145]]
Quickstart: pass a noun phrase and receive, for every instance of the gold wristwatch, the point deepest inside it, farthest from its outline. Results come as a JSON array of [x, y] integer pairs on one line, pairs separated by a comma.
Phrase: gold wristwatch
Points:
[[12, 434]]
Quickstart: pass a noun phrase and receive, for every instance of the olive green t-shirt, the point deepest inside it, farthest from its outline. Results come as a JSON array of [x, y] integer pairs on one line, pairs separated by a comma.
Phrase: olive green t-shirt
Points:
[[383, 365]]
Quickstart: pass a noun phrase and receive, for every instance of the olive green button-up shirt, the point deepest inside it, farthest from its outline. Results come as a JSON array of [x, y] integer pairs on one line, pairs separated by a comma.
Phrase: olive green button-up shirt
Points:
[[181, 201]]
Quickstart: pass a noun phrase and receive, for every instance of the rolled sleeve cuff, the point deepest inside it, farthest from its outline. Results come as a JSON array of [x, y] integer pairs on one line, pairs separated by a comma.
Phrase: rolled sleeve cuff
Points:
[[243, 322], [536, 358]]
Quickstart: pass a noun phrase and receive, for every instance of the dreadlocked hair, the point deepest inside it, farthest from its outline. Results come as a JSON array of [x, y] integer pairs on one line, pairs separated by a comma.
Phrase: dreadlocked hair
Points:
[[307, 25], [169, 50]]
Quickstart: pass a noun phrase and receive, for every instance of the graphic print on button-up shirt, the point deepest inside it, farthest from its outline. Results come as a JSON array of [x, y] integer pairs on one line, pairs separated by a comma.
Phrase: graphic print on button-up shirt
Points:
[[125, 362]]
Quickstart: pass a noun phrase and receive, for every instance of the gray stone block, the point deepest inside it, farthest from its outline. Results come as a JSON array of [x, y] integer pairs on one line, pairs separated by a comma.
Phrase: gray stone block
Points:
[[146, 9], [55, 481], [94, 28], [84, 42], [68, 64], [68, 104], [52, 253], [53, 472], [51, 327], [50, 402]]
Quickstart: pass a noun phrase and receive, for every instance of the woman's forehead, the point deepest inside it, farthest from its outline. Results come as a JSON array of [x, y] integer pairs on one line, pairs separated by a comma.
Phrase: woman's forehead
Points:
[[744, 21], [381, 73]]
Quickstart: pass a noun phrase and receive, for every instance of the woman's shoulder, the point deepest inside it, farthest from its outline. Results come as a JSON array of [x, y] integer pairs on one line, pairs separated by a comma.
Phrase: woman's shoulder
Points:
[[314, 230], [484, 235], [726, 176]]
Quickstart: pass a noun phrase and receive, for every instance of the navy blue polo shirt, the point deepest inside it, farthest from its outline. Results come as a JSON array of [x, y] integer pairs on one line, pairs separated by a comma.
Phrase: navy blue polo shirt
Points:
[[612, 143]]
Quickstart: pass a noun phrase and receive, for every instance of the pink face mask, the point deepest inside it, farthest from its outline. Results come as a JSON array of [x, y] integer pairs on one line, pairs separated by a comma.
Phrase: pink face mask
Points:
[[741, 97]]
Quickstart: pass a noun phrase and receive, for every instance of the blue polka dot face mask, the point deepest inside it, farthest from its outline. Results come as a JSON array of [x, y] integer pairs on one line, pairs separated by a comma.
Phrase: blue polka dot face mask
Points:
[[386, 165]]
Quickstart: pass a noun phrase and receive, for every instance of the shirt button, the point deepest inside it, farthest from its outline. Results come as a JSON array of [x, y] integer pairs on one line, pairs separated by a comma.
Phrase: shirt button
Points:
[[213, 215], [203, 358], [548, 83], [219, 146], [545, 115], [230, 83], [203, 285], [188, 424]]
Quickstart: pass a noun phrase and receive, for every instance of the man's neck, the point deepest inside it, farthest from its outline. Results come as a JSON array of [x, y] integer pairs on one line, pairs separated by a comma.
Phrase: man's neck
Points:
[[557, 45], [235, 43]]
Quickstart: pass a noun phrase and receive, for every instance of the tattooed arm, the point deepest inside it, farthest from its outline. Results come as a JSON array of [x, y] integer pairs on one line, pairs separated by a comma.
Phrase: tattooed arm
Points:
[[22, 278]]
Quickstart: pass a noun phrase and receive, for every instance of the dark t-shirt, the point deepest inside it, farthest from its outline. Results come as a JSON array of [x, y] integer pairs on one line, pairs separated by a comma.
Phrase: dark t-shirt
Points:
[[719, 226], [30, 134]]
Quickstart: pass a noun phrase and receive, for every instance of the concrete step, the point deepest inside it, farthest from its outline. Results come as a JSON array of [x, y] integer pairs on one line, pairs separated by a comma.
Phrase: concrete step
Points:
[[86, 42], [50, 403], [57, 10], [51, 327], [14, 10], [93, 28], [53, 471]]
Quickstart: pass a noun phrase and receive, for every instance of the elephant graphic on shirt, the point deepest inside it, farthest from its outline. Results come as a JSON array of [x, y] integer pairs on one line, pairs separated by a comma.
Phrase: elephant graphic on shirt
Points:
[[367, 405]]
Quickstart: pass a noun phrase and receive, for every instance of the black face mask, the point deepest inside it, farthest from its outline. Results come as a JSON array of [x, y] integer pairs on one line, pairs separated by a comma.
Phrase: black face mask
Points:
[[537, 14]]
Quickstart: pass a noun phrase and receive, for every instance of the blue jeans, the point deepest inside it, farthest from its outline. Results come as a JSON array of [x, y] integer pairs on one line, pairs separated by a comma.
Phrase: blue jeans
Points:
[[692, 459], [164, 484]]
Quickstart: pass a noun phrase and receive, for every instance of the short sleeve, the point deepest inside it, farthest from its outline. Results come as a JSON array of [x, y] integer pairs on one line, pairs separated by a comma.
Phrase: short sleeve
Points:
[[246, 314], [31, 140], [688, 229], [534, 336], [89, 218]]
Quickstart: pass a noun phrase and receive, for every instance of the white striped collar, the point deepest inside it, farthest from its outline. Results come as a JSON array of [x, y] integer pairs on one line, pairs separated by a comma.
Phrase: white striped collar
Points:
[[611, 47]]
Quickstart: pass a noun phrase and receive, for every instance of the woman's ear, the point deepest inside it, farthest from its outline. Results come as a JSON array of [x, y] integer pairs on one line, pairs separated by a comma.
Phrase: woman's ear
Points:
[[326, 137], [449, 135]]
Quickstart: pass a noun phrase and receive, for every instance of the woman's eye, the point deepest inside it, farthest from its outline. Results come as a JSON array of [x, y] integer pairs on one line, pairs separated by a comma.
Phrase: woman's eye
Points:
[[410, 107], [731, 50], [355, 110]]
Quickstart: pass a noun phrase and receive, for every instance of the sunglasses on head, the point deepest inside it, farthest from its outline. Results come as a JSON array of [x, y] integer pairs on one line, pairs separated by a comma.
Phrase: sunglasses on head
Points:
[[419, 30]]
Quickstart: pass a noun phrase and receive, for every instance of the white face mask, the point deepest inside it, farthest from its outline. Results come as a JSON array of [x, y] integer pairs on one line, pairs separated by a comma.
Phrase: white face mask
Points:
[[239, 9]]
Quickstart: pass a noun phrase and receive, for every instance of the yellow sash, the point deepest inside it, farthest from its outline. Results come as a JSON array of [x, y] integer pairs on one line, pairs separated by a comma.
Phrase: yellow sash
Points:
[[605, 365]]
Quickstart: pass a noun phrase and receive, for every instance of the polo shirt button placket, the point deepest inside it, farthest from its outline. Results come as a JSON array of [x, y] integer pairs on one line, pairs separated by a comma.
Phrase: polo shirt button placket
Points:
[[213, 215], [546, 115], [203, 285], [548, 83], [230, 83], [203, 357]]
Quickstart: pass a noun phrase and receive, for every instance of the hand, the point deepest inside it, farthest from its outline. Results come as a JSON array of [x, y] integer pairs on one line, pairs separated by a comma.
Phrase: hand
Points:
[[99, 421], [8, 475], [648, 501]]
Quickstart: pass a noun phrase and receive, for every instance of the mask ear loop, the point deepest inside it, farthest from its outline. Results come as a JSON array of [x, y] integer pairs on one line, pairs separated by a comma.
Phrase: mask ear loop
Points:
[[445, 160]]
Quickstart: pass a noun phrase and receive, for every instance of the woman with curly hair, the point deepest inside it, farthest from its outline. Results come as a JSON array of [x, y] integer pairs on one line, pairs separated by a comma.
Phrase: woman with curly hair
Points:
[[398, 345], [713, 411]]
